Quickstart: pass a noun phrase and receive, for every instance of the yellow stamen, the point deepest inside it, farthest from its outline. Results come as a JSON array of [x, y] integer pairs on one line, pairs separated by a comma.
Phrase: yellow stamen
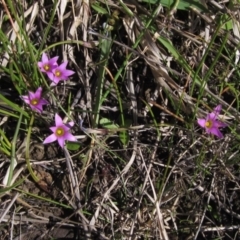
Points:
[[46, 67], [34, 101], [208, 124], [60, 132], [57, 73]]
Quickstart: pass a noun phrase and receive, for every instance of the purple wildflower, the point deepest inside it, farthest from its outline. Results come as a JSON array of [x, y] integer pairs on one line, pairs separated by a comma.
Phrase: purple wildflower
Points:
[[211, 122], [35, 100], [60, 73], [60, 132], [47, 65]]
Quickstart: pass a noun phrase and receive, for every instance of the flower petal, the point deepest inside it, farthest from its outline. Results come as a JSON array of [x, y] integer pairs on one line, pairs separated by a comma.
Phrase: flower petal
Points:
[[50, 76], [220, 124], [53, 84], [37, 108], [201, 122], [66, 73], [44, 58], [62, 67], [214, 122], [38, 93], [56, 80], [53, 129], [40, 65], [217, 109], [53, 61], [43, 101], [58, 120], [26, 99], [50, 139], [66, 128], [31, 95], [61, 141], [68, 136], [216, 132], [212, 116], [69, 124]]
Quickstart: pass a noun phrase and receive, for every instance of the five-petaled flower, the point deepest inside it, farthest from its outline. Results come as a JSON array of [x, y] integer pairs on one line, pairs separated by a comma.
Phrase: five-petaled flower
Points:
[[48, 65], [35, 100], [60, 73], [60, 132], [211, 123]]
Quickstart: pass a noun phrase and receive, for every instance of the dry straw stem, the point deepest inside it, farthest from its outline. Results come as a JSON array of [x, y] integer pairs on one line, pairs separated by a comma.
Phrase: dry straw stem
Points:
[[154, 59], [14, 32]]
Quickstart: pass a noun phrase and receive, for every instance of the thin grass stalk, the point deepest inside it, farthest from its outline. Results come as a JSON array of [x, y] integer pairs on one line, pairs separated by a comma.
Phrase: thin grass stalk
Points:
[[29, 45], [219, 52], [27, 154], [43, 198], [202, 86], [105, 50], [48, 26], [13, 152], [135, 45]]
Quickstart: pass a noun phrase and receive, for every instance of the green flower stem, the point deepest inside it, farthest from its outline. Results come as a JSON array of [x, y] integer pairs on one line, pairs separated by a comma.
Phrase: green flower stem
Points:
[[35, 178], [13, 152]]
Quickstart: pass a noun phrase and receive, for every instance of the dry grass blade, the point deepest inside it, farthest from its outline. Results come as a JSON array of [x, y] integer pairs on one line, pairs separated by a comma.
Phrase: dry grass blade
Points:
[[14, 32], [8, 207], [154, 57], [115, 182]]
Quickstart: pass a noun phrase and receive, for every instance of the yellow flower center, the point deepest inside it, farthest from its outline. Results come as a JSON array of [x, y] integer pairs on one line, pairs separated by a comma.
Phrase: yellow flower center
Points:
[[59, 132], [34, 101], [208, 124], [57, 73], [46, 67]]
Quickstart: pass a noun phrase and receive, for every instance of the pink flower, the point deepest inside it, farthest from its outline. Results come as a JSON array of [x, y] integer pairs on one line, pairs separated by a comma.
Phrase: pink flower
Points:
[[211, 122], [60, 73], [35, 100], [47, 65], [60, 132]]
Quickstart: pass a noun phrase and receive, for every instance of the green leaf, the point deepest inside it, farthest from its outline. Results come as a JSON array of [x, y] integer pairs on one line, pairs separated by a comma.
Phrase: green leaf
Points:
[[182, 5], [106, 123], [168, 45], [73, 146], [99, 9], [124, 137], [226, 22], [7, 104], [7, 189]]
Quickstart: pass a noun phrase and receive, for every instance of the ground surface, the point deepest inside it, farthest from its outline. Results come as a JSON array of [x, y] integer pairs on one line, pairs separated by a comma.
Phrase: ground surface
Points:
[[143, 168]]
